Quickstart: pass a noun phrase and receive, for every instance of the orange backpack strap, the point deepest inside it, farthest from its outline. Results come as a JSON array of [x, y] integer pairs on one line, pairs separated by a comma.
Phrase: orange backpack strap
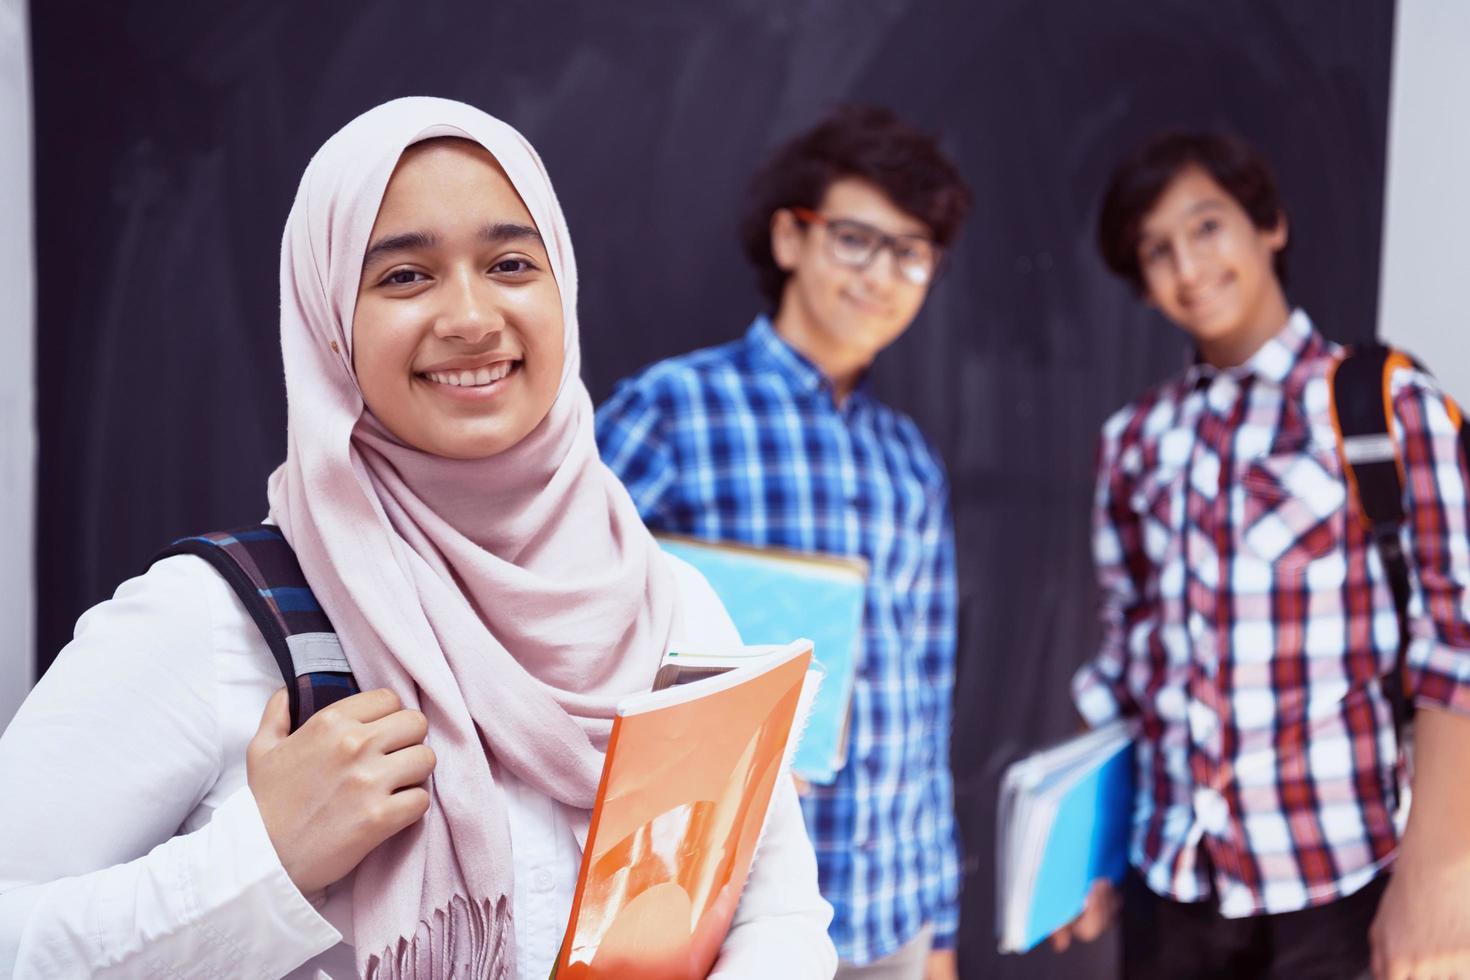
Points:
[[1362, 416]]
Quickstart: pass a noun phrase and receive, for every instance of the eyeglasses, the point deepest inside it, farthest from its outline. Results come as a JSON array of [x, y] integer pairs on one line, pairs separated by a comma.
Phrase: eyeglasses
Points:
[[855, 245]]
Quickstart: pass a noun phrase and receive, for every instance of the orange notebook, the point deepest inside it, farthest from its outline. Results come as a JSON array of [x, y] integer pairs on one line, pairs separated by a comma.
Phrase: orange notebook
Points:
[[689, 777]]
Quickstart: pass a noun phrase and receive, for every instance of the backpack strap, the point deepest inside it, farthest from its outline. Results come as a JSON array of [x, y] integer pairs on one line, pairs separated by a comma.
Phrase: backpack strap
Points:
[[1362, 415], [262, 569]]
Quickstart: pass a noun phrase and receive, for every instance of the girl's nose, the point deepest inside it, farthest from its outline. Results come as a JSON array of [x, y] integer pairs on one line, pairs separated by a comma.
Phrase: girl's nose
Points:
[[470, 313]]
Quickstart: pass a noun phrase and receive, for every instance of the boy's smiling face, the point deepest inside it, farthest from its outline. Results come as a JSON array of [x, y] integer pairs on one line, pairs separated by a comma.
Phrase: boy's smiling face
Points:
[[849, 313], [1210, 269]]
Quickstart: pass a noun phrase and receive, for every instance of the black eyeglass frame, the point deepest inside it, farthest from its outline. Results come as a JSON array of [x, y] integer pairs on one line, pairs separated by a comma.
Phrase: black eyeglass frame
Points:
[[807, 216]]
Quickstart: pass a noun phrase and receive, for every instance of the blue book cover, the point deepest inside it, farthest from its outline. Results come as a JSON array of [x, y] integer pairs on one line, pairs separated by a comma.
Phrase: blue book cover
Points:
[[1067, 825], [775, 596]]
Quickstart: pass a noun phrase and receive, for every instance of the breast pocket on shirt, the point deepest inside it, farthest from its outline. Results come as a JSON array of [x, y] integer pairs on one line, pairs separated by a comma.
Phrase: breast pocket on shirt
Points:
[[1294, 506], [1157, 498]]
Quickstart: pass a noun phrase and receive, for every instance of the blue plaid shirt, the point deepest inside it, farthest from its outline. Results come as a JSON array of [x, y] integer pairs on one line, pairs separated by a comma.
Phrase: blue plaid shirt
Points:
[[744, 442]]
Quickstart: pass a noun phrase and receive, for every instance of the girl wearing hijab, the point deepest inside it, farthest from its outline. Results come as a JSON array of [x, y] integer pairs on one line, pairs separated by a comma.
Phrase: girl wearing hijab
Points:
[[492, 587]]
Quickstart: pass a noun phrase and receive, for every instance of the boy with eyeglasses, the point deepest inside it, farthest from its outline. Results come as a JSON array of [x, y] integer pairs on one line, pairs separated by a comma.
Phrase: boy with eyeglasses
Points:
[[776, 439], [1249, 625]]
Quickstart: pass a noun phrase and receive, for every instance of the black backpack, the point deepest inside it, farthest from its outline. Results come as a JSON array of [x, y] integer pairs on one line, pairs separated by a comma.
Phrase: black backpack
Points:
[[262, 569], [1361, 400]]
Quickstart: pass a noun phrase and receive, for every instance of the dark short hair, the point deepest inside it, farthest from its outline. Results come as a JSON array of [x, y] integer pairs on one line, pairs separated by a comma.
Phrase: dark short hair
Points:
[[1141, 180], [867, 142]]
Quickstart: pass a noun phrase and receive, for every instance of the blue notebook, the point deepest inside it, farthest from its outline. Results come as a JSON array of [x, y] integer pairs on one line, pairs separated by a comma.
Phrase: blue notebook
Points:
[[1064, 822], [775, 595]]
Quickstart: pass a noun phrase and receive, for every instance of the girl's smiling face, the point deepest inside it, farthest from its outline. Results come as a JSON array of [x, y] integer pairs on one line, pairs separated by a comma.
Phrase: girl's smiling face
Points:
[[458, 334]]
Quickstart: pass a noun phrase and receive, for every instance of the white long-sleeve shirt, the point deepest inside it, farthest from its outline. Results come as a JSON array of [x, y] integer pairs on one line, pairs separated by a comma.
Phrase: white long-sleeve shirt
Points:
[[131, 846]]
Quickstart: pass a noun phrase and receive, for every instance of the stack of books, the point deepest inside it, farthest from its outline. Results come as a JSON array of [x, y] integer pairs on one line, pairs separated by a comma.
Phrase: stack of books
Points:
[[773, 594], [690, 774], [1064, 821]]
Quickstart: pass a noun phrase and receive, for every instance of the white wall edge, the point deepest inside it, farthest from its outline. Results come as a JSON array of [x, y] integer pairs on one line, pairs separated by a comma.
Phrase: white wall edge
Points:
[[1426, 248], [17, 367]]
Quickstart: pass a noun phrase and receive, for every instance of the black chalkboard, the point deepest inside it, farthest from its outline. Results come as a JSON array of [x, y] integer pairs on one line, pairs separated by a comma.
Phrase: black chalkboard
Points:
[[171, 135]]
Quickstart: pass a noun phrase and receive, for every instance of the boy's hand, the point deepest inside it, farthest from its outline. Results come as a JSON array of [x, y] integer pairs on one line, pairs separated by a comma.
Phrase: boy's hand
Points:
[[1103, 902], [1422, 929], [339, 786]]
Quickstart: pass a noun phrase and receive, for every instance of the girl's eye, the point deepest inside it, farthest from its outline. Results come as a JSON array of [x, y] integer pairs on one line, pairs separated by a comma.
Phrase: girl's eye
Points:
[[511, 266], [402, 277], [1208, 227], [1156, 252]]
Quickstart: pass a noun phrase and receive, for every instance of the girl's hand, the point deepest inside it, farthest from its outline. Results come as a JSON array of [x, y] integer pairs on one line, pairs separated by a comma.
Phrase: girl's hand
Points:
[[343, 783]]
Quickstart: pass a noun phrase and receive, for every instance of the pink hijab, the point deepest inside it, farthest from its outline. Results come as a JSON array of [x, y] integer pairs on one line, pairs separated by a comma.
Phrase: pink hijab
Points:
[[512, 599]]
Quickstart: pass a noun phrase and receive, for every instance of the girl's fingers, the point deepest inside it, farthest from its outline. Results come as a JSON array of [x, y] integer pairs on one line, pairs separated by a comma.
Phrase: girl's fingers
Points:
[[408, 766], [404, 808], [275, 722], [398, 730], [365, 707]]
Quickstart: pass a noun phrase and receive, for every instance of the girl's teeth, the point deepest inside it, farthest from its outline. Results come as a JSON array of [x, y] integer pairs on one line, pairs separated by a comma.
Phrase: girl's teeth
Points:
[[470, 379]]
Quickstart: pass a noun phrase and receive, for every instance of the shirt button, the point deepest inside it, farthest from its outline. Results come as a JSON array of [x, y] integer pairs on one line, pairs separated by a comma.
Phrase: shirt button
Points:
[[542, 880]]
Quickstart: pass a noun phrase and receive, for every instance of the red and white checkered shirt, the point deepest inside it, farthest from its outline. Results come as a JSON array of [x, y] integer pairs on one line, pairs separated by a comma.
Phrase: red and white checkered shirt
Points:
[[1248, 625]]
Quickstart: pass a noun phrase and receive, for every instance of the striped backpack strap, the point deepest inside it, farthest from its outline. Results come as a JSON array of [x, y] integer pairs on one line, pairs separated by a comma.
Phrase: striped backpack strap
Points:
[[262, 569]]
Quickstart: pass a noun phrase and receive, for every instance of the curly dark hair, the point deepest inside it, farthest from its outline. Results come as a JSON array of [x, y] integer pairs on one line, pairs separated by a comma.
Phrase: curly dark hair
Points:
[[1140, 181], [867, 142]]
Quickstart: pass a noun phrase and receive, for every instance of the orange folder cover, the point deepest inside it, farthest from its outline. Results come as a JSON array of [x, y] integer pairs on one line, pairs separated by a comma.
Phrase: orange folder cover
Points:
[[688, 779]]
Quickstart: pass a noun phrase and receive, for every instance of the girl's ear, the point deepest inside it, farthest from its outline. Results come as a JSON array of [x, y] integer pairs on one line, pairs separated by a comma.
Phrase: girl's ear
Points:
[[785, 240]]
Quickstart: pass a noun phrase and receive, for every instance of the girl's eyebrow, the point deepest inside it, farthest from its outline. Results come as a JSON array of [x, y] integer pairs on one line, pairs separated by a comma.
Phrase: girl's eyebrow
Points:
[[495, 233], [507, 231], [407, 241]]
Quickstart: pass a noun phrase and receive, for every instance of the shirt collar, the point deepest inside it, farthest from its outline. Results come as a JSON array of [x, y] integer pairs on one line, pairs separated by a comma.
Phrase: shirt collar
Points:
[[775, 353], [1277, 358]]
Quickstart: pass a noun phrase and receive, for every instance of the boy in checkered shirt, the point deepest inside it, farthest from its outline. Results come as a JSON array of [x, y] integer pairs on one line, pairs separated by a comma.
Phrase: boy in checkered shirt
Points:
[[1249, 629]]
